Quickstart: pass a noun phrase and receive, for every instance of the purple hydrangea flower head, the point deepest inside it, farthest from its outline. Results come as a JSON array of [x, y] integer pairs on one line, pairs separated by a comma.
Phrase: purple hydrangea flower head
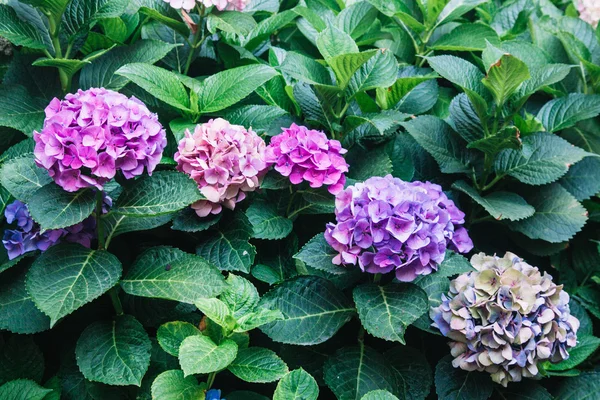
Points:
[[92, 134], [227, 161], [308, 155], [504, 318], [386, 224], [213, 394]]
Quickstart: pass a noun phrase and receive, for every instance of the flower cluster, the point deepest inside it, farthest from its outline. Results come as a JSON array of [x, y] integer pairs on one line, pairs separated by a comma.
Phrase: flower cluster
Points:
[[226, 161], [589, 11], [236, 5], [29, 237], [213, 394], [504, 318], [6, 48], [387, 224], [90, 135], [307, 155]]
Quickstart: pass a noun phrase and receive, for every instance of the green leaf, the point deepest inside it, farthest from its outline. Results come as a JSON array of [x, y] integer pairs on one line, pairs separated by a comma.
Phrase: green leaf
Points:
[[558, 215], [20, 357], [160, 83], [466, 37], [355, 371], [501, 205], [114, 352], [261, 118], [543, 76], [313, 309], [584, 386], [333, 42], [101, 73], [386, 311], [345, 65], [454, 264], [318, 254], [586, 346], [565, 112], [379, 71], [455, 384], [257, 319], [240, 296], [231, 22], [116, 224], [18, 313], [81, 14], [53, 208], [582, 178], [227, 246], [218, 312], [543, 159], [388, 98], [507, 138], [464, 118], [458, 71], [526, 391], [18, 31], [297, 385], [172, 385], [176, 25], [367, 164], [258, 365], [171, 334], [169, 273], [23, 389], [20, 111], [455, 9], [356, 19], [188, 221], [305, 69], [21, 177], [228, 87], [162, 193], [412, 370], [505, 76], [68, 276], [266, 222], [439, 140], [379, 395], [200, 355]]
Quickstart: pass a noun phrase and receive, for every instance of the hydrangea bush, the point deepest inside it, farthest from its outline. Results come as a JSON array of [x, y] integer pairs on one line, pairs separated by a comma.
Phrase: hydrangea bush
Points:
[[299, 199]]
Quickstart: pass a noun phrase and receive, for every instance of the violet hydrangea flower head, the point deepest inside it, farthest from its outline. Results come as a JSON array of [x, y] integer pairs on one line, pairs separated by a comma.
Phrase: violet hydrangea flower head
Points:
[[308, 155], [505, 318], [386, 224], [589, 11], [227, 161], [92, 134]]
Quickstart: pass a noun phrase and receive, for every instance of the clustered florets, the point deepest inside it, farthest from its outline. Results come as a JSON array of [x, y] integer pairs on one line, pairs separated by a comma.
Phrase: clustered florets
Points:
[[92, 134], [589, 11], [386, 224], [235, 5], [226, 161], [308, 155], [504, 318], [27, 236]]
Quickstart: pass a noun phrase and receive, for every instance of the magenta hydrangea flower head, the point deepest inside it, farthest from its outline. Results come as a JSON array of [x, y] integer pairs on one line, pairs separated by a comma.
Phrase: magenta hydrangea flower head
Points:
[[92, 134], [226, 161], [308, 155], [505, 318], [386, 224]]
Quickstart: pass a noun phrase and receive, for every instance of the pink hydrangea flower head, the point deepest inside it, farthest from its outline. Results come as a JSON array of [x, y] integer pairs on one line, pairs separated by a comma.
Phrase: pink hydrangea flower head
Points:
[[304, 154], [236, 5], [226, 161], [386, 224], [182, 4], [589, 11], [92, 134]]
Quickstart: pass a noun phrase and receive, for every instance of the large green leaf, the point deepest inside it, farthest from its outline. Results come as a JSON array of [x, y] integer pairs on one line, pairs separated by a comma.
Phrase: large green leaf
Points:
[[313, 309], [380, 71], [266, 222], [116, 224], [231, 22], [114, 352], [388, 98], [505, 76], [305, 69], [20, 111], [240, 296], [558, 215], [413, 371], [355, 371], [160, 83], [501, 205], [543, 159], [455, 384], [386, 311], [356, 18], [458, 71], [68, 276], [18, 313], [20, 357], [171, 334], [81, 14], [565, 112], [169, 273], [101, 73], [162, 193], [23, 389], [297, 385], [18, 31], [53, 208], [21, 177], [543, 76], [318, 254], [379, 395], [228, 87], [455, 9], [172, 385], [345, 65], [584, 386], [333, 42], [466, 37], [582, 178], [200, 355], [258, 365]]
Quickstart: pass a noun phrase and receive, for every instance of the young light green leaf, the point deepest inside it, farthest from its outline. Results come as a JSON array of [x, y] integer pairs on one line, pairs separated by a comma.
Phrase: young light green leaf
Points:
[[333, 42], [305, 69], [379, 395], [21, 177], [17, 31], [257, 319], [240, 296], [505, 76], [218, 312], [380, 71], [345, 65], [171, 334], [52, 207], [20, 111], [455, 384], [231, 22], [258, 365], [266, 222], [114, 352], [172, 385], [458, 71], [68, 276], [455, 9], [81, 14], [200, 355], [313, 309], [23, 389], [565, 112], [297, 385], [386, 311], [466, 37], [18, 313], [169, 273]]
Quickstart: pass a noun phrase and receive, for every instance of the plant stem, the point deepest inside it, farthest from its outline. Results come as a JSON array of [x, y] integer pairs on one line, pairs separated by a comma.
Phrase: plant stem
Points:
[[99, 227], [497, 179], [65, 79], [197, 42], [377, 278], [116, 302], [211, 379]]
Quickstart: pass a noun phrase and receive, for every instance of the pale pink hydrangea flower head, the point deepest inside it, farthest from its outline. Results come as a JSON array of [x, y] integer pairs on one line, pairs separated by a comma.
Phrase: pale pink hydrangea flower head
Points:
[[92, 134], [226, 161], [235, 5], [589, 11]]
